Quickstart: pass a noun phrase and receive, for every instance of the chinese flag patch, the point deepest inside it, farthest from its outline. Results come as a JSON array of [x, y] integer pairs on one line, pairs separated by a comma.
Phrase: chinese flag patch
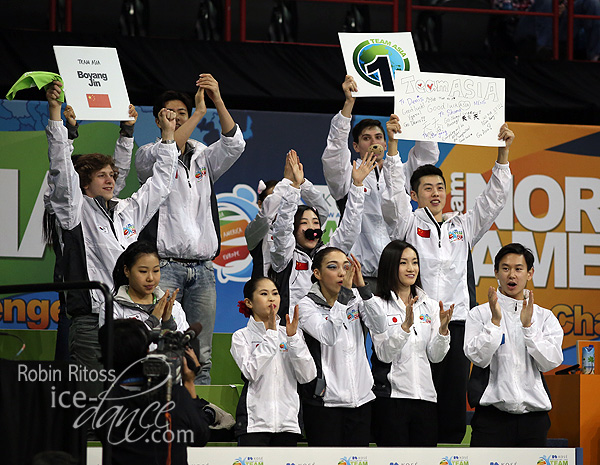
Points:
[[423, 232], [301, 266], [98, 100]]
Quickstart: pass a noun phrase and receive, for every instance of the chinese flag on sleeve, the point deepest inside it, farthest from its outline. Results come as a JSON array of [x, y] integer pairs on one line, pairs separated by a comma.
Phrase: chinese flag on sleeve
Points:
[[98, 100]]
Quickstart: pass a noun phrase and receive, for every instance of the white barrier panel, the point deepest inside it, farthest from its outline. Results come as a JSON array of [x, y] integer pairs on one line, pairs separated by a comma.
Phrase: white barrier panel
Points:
[[368, 456]]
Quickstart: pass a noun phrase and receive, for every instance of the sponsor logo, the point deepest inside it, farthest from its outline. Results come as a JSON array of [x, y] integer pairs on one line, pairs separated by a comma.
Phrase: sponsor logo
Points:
[[425, 318], [553, 459], [283, 347], [353, 460], [352, 314], [455, 460], [200, 173], [248, 461], [129, 230], [456, 235]]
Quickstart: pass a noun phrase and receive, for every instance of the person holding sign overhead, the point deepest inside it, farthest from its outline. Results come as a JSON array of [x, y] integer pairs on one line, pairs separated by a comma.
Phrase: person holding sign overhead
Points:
[[444, 242], [368, 137], [94, 227], [186, 228]]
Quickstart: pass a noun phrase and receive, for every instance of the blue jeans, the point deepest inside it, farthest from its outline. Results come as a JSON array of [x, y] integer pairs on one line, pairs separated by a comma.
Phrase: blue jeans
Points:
[[198, 297]]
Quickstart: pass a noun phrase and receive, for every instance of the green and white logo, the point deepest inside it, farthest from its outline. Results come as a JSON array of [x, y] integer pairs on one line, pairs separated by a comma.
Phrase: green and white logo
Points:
[[377, 60]]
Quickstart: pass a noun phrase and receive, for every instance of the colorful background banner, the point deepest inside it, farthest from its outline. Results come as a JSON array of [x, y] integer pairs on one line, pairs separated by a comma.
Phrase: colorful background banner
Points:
[[554, 208]]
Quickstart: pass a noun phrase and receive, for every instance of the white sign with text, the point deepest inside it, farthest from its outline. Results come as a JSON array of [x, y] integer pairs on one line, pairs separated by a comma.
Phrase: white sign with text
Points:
[[372, 59], [93, 82], [451, 108]]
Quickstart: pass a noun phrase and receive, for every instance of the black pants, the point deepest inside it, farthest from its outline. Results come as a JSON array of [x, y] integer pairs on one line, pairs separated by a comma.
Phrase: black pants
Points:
[[450, 377], [337, 426], [269, 439], [495, 428], [404, 422]]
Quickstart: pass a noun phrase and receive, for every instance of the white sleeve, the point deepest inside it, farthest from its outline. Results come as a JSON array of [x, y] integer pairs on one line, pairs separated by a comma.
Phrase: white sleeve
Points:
[[146, 201], [489, 203], [324, 328], [543, 340], [179, 316], [438, 345], [395, 202], [372, 314], [223, 153], [389, 344], [144, 161], [337, 167], [122, 158], [63, 196], [284, 241], [259, 227], [302, 361], [315, 199], [349, 229], [482, 338], [252, 359]]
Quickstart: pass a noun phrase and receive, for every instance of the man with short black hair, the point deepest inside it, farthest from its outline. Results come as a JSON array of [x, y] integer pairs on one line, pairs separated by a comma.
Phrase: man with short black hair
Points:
[[511, 341], [186, 229]]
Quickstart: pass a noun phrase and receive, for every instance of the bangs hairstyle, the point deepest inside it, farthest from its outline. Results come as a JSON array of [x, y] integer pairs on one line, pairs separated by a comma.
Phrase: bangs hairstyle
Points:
[[300, 212], [128, 259], [517, 249], [389, 264], [319, 259], [425, 170], [251, 286], [172, 95], [86, 165], [365, 124]]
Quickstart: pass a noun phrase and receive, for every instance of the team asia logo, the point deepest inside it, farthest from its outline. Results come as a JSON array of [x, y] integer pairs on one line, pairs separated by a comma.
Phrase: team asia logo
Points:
[[455, 460], [200, 173], [236, 210], [377, 60], [129, 230]]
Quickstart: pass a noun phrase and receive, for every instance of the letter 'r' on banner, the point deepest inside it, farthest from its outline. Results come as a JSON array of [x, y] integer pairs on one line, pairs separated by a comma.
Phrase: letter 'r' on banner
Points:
[[93, 82]]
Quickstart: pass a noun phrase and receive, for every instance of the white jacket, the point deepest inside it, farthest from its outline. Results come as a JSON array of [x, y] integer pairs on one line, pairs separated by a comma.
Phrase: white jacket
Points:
[[259, 231], [272, 363], [284, 251], [337, 168], [338, 343], [124, 307], [187, 225], [409, 375], [443, 250], [90, 239], [515, 355]]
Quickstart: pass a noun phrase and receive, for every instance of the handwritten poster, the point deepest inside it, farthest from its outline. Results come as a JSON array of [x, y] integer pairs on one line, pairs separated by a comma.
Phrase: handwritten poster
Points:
[[372, 59], [451, 108], [93, 82]]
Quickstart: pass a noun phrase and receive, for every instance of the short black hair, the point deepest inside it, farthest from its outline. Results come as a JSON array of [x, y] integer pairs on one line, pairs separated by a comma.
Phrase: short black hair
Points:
[[389, 264], [517, 249], [252, 284], [424, 170], [128, 258], [131, 341], [298, 216], [365, 124], [172, 95]]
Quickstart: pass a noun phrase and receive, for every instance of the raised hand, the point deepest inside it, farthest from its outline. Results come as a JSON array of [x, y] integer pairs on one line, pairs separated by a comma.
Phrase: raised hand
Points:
[[494, 306], [69, 115], [297, 168], [349, 276], [527, 311], [349, 86], [167, 120], [445, 317], [272, 319], [52, 94], [357, 278], [506, 135], [132, 114], [288, 173], [291, 326], [393, 126], [359, 173], [409, 318], [210, 86]]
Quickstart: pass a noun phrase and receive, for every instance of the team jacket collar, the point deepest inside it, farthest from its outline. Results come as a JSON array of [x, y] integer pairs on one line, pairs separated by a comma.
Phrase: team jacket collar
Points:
[[508, 302], [258, 327]]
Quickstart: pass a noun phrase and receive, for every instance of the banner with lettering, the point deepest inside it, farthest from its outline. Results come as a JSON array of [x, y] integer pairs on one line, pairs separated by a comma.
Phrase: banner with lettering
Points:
[[94, 84]]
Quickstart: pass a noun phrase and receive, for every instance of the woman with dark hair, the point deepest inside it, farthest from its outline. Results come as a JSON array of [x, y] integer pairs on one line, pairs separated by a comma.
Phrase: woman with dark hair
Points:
[[297, 232], [273, 359], [405, 413], [137, 295], [258, 233], [337, 404]]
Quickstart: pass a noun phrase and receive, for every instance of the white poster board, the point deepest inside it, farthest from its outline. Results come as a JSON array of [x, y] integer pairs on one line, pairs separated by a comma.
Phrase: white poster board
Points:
[[372, 59], [451, 108], [93, 82]]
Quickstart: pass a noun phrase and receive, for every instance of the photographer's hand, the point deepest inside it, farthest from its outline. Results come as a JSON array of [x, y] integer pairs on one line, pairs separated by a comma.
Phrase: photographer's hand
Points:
[[188, 374]]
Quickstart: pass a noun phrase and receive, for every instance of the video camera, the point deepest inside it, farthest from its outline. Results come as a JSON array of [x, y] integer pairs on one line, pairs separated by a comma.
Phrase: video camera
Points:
[[167, 360]]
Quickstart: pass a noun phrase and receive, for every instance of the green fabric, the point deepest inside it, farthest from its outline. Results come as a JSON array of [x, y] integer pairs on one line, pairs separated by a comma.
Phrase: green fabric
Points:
[[41, 79]]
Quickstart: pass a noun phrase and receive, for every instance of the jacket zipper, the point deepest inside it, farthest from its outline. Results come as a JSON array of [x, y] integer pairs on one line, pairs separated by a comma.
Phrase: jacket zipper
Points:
[[439, 229], [112, 223]]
